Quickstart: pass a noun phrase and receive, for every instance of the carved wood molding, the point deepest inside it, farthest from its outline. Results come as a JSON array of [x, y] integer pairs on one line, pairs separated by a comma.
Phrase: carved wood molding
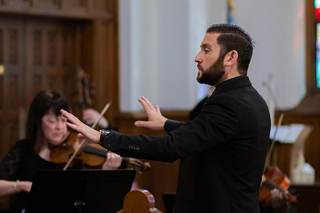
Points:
[[78, 9]]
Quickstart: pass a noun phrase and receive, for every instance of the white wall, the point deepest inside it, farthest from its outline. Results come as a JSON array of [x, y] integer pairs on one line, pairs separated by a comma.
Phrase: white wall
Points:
[[278, 28], [160, 38]]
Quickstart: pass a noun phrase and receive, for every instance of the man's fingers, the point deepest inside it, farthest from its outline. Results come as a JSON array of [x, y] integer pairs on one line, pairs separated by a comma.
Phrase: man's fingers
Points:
[[146, 104], [74, 127], [143, 103], [76, 123], [70, 117], [150, 106], [141, 123], [158, 109], [67, 115]]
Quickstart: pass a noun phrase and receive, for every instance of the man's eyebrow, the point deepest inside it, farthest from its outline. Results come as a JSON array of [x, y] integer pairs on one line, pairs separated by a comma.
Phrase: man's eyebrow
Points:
[[205, 45]]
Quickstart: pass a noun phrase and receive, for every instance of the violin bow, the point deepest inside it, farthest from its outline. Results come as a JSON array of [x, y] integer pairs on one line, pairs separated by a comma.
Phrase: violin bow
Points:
[[273, 142], [83, 141]]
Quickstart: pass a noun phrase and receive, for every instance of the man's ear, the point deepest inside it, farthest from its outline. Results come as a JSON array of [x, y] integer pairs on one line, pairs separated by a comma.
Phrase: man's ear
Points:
[[231, 58]]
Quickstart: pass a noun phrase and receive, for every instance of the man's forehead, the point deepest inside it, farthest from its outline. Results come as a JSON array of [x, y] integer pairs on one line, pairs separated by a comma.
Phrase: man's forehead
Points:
[[210, 39]]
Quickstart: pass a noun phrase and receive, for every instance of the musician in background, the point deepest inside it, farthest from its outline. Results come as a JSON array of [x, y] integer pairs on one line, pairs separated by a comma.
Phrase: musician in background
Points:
[[278, 200], [90, 115], [46, 128]]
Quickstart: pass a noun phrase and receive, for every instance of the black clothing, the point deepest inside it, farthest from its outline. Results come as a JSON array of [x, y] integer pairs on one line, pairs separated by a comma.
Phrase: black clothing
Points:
[[227, 144], [197, 109], [21, 163]]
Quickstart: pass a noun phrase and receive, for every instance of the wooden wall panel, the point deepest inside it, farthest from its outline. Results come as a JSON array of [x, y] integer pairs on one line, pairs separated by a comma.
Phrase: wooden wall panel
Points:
[[46, 4], [75, 4], [41, 44], [106, 79], [1, 46], [1, 92], [80, 9], [50, 52], [36, 54], [310, 48], [16, 3], [11, 81], [312, 143], [40, 53]]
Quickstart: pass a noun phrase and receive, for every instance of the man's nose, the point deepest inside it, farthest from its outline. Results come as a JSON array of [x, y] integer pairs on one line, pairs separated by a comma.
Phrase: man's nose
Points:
[[197, 58]]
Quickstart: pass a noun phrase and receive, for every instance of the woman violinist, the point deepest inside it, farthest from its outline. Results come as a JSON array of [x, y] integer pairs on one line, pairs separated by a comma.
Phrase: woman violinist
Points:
[[45, 130]]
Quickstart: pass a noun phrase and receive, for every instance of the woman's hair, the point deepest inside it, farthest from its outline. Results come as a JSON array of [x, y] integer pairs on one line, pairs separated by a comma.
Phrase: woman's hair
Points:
[[40, 106]]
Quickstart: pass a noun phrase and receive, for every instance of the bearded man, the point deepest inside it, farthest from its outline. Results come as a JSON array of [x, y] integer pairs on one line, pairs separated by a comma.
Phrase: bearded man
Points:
[[223, 149]]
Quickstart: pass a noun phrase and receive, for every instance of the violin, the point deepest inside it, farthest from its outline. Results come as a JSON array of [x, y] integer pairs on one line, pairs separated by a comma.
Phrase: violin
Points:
[[91, 155], [275, 179]]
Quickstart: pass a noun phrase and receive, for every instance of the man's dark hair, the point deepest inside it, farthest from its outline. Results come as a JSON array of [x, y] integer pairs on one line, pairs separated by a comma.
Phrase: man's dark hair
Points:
[[232, 37], [41, 105]]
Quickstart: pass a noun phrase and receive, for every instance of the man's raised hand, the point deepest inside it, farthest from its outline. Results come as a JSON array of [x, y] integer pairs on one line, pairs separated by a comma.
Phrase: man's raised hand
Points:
[[85, 132], [155, 119]]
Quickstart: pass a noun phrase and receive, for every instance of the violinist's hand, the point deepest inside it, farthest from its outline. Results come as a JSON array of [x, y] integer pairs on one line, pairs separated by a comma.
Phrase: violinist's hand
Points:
[[113, 161], [85, 132], [277, 200], [24, 186], [89, 116], [155, 119], [276, 193], [12, 187]]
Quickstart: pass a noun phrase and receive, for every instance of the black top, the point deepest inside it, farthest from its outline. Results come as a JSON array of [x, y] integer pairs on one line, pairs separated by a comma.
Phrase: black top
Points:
[[21, 163], [222, 150]]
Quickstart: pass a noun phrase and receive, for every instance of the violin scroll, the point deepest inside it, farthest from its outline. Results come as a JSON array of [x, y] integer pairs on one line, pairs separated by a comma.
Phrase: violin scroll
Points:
[[136, 163]]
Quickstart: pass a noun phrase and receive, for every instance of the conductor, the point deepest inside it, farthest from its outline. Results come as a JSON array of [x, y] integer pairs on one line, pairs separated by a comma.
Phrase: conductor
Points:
[[223, 149]]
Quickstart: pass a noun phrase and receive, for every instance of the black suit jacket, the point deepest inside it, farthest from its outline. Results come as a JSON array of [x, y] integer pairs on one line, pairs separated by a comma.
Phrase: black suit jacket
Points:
[[222, 150]]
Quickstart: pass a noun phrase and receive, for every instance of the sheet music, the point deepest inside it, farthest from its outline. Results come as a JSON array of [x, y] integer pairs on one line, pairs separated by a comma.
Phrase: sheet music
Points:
[[287, 134]]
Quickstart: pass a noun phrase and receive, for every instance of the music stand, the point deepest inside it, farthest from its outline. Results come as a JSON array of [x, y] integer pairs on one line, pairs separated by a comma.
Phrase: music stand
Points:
[[79, 191]]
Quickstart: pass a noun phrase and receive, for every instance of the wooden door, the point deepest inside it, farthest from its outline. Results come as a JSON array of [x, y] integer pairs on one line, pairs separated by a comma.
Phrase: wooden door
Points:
[[50, 57], [11, 80], [37, 54]]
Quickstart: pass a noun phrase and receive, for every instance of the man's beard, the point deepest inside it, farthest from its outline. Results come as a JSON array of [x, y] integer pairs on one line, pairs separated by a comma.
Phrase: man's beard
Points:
[[213, 74]]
